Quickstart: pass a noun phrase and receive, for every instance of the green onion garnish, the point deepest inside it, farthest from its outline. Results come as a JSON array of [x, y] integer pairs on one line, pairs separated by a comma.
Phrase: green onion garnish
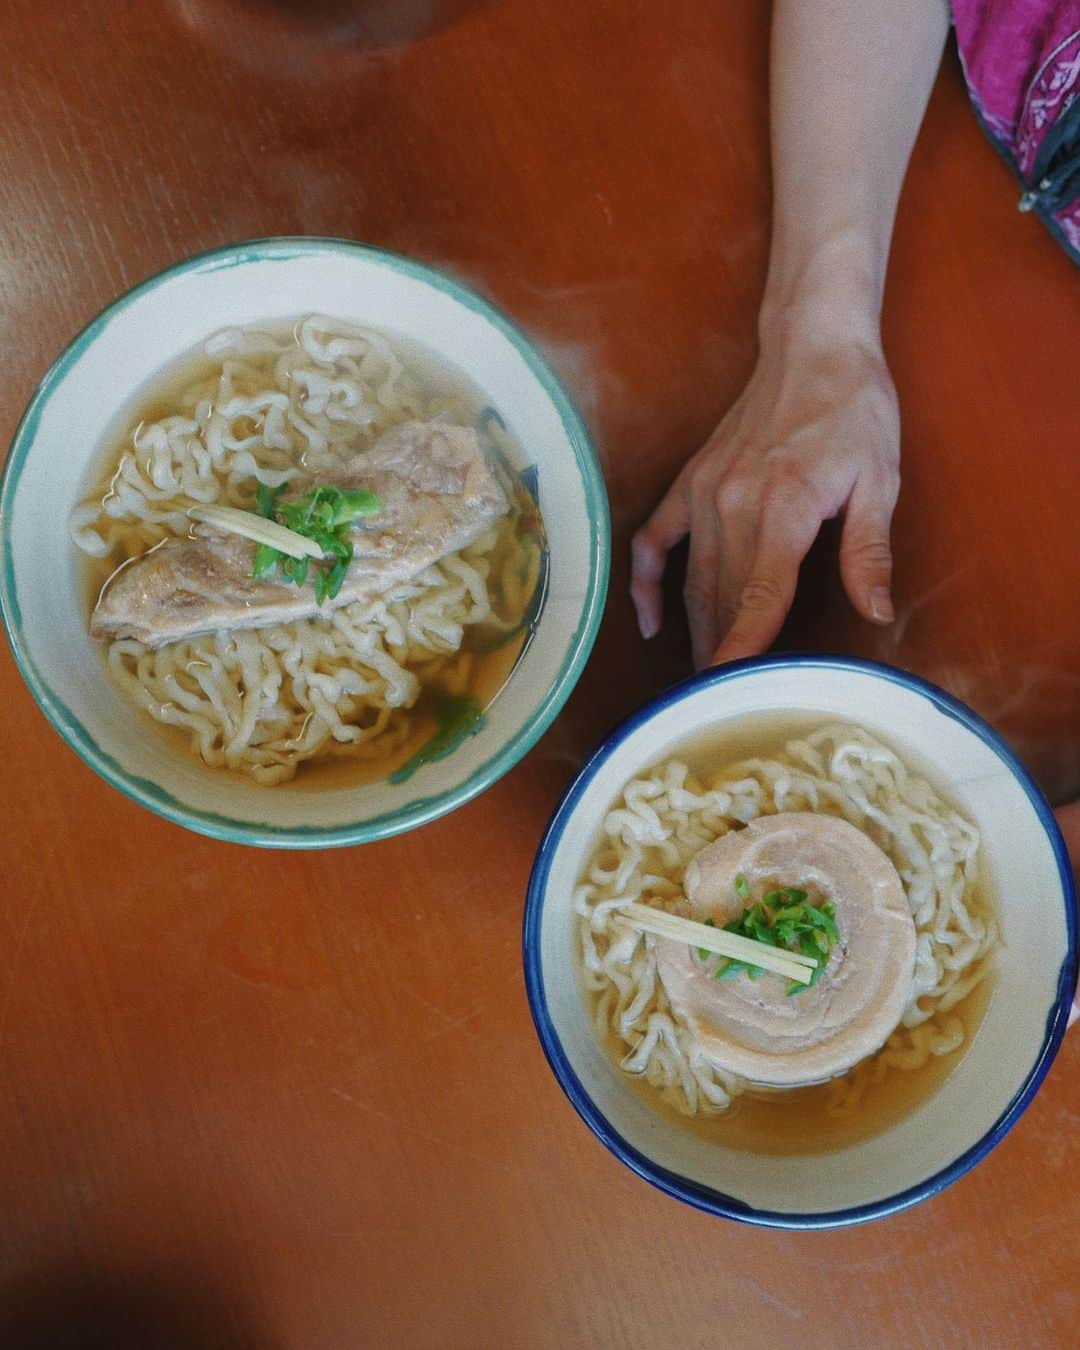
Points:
[[783, 918], [459, 717], [323, 516]]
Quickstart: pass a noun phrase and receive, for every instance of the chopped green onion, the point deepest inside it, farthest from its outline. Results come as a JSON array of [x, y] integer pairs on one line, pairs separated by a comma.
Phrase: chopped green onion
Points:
[[265, 500], [294, 569], [784, 918], [459, 718], [323, 517], [266, 559]]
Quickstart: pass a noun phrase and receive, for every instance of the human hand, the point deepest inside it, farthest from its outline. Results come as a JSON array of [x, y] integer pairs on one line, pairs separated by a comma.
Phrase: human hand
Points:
[[815, 433]]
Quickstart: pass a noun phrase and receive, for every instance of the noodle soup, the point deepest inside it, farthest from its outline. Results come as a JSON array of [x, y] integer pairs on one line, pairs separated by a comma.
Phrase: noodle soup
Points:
[[365, 690], [724, 787]]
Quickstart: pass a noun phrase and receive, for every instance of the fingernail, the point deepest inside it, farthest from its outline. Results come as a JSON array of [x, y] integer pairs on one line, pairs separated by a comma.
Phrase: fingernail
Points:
[[648, 626], [881, 606]]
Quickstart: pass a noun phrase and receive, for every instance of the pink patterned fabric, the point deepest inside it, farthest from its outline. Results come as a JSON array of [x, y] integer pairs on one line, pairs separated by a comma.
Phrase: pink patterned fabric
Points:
[[1022, 63]]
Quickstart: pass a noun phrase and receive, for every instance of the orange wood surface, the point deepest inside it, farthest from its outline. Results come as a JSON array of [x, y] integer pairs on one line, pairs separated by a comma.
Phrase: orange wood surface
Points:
[[242, 1103]]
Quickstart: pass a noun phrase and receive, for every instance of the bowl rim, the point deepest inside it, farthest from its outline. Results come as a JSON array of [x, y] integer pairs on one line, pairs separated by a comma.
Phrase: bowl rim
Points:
[[694, 1193], [424, 809]]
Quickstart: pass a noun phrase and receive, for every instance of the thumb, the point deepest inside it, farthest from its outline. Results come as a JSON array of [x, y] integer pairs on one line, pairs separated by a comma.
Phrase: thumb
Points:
[[865, 555]]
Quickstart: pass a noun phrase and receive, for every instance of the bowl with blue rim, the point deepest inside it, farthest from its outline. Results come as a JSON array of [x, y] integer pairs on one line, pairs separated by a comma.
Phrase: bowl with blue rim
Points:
[[918, 1152]]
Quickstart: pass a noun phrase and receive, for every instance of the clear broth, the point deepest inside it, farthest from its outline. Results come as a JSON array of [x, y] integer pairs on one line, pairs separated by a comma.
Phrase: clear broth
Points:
[[797, 1121], [490, 663]]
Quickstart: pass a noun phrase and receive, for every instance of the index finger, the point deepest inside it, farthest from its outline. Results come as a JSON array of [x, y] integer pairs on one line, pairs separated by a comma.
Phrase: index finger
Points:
[[649, 550], [784, 540]]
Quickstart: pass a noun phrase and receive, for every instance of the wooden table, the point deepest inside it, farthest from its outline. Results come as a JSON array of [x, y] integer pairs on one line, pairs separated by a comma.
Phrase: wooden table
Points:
[[239, 1105]]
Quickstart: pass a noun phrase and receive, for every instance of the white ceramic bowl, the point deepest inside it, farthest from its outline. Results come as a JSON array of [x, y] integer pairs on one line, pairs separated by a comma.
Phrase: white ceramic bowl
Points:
[[128, 345], [1022, 1027]]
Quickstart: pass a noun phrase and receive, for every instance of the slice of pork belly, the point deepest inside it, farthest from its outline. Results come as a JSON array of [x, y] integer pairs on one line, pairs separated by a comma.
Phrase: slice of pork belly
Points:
[[437, 493]]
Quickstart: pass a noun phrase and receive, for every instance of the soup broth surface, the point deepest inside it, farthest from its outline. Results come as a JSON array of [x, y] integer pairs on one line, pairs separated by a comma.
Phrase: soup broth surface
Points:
[[489, 650], [820, 1118]]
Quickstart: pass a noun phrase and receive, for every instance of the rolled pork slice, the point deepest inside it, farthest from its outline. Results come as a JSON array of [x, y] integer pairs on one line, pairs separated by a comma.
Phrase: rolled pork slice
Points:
[[754, 1028]]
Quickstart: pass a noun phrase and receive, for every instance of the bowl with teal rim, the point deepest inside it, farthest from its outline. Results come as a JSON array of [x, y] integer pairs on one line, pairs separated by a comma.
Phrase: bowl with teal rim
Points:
[[133, 342], [983, 1096]]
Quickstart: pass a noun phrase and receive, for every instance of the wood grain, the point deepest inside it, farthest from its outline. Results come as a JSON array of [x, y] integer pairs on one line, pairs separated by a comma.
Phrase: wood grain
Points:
[[240, 1105]]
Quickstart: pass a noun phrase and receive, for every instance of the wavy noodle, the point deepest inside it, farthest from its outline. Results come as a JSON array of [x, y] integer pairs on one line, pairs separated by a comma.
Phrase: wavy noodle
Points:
[[271, 406], [667, 815]]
